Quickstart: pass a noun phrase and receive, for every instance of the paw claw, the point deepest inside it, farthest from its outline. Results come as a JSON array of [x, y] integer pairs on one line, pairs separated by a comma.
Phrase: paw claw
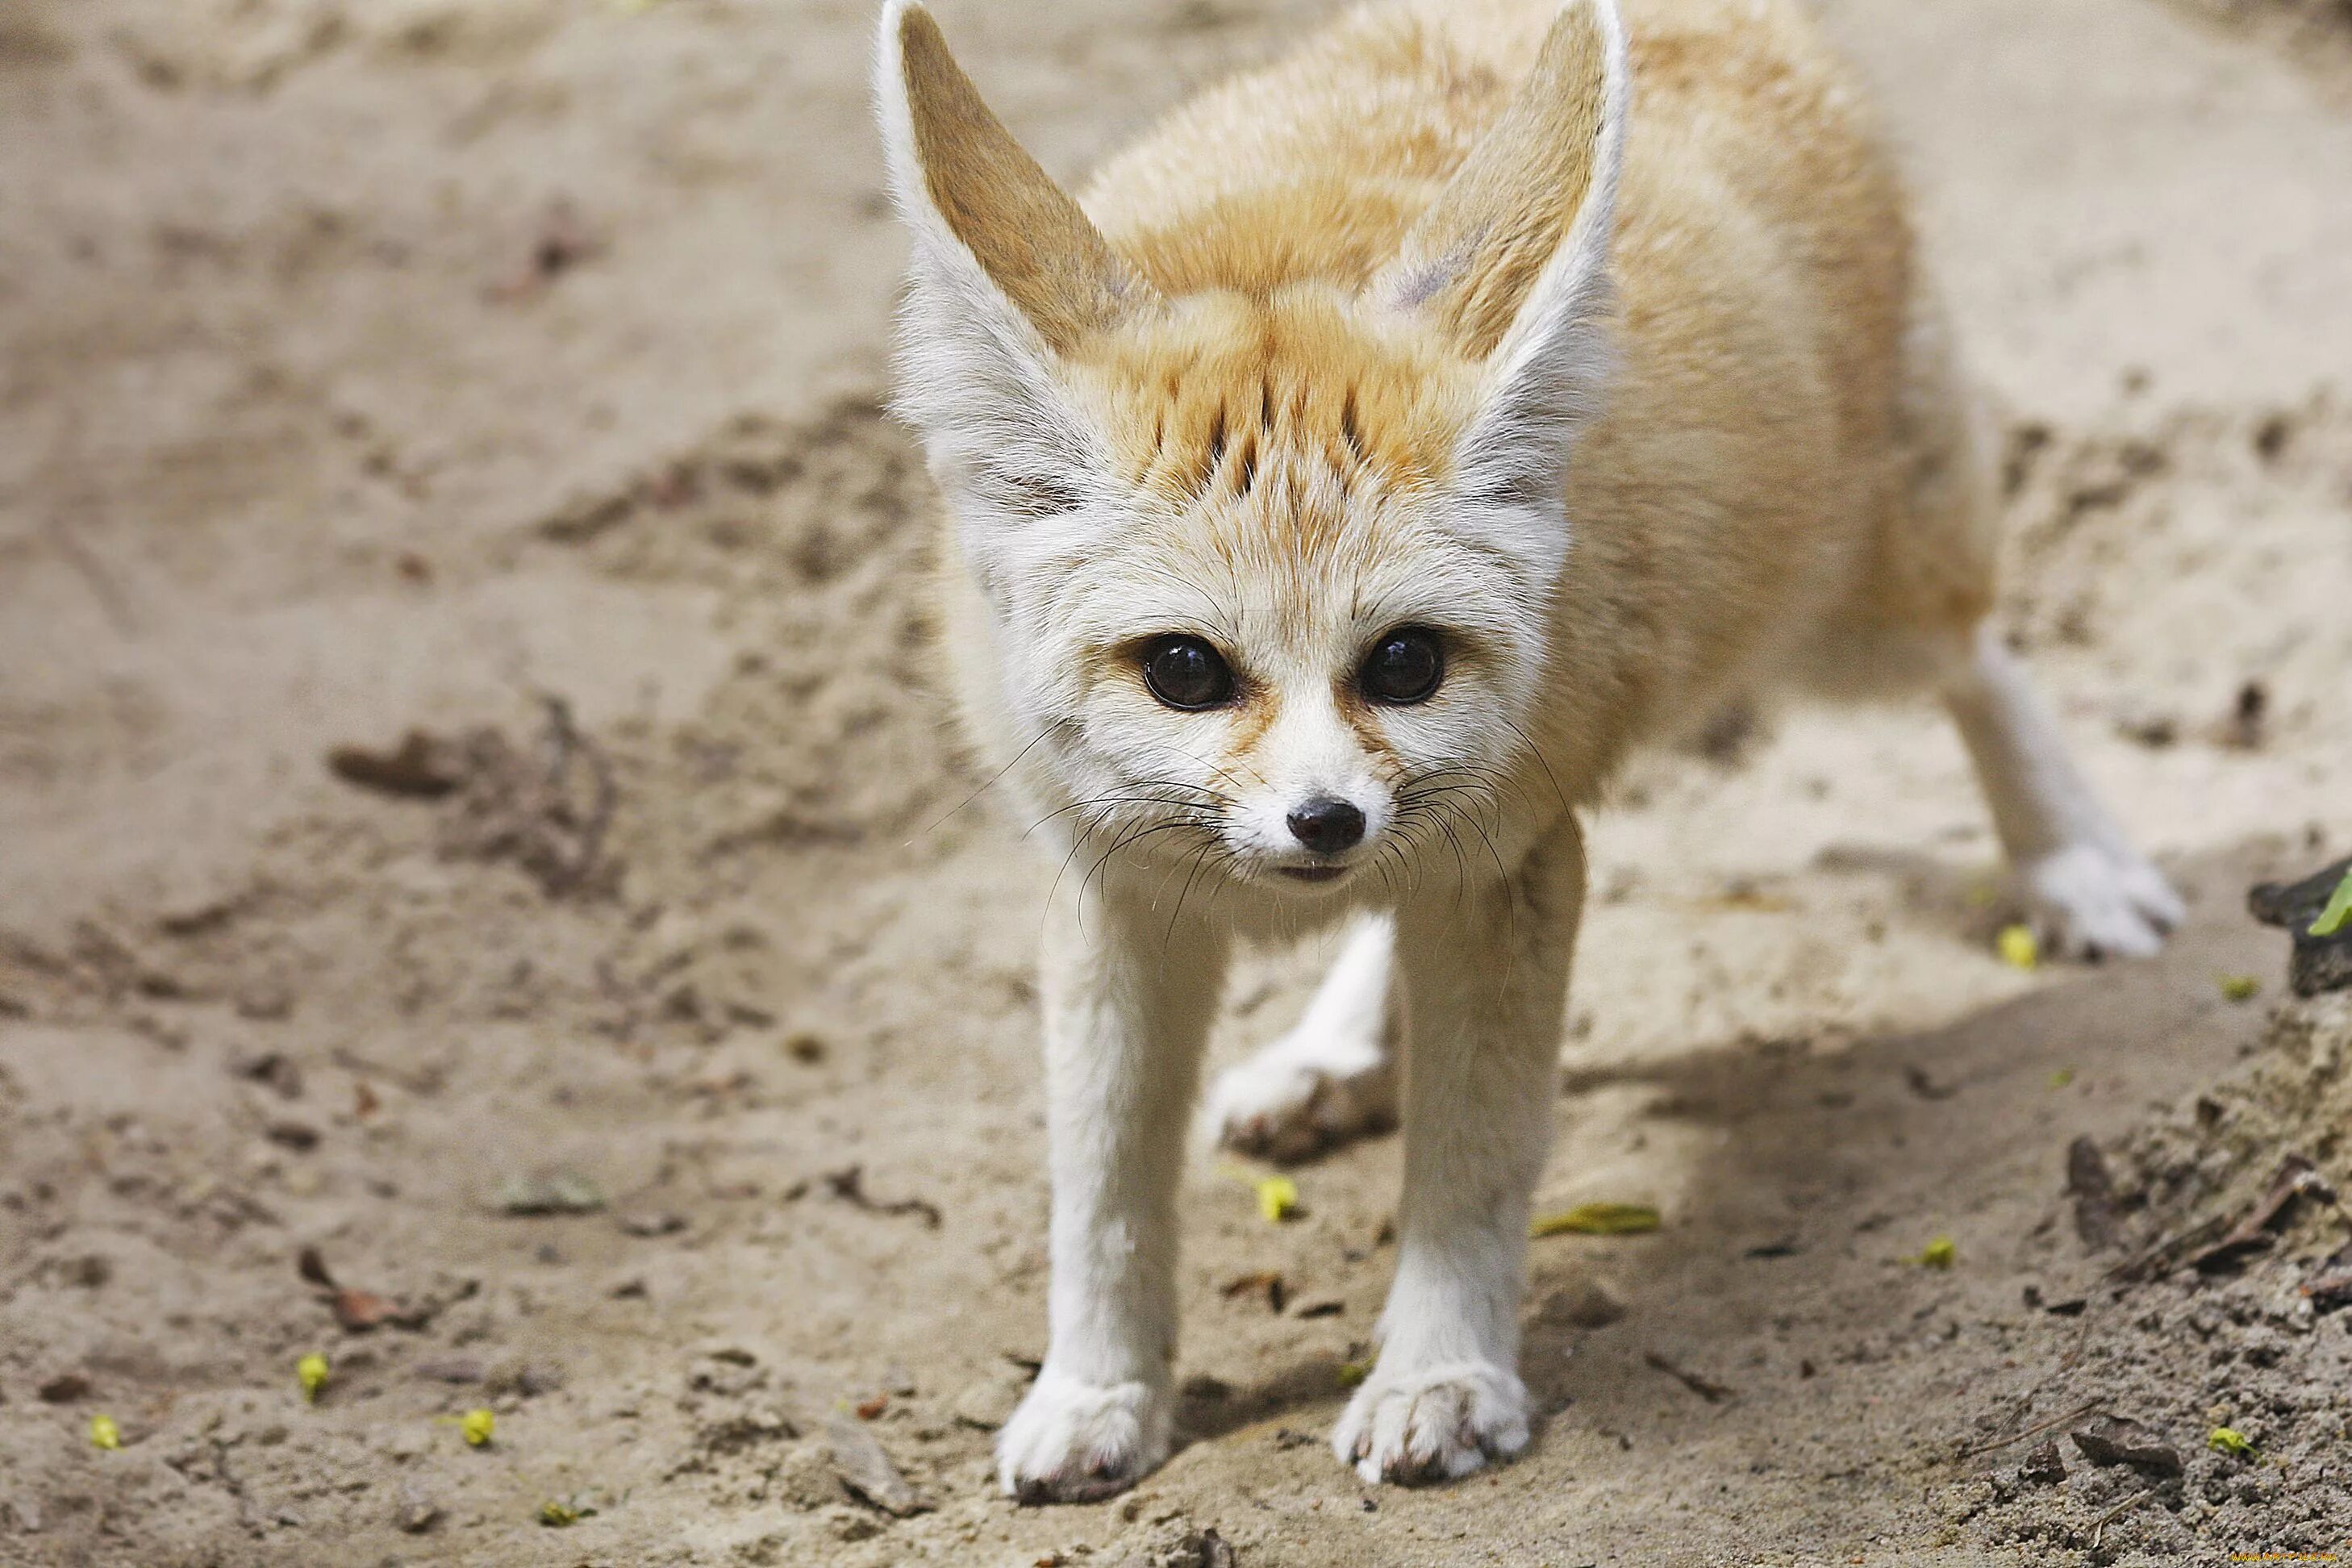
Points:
[[1277, 1107], [2094, 901], [1437, 1425], [1078, 1442]]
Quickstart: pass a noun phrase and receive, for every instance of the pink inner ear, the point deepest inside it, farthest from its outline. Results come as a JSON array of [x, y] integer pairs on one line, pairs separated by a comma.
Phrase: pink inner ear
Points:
[[1473, 261], [1024, 231]]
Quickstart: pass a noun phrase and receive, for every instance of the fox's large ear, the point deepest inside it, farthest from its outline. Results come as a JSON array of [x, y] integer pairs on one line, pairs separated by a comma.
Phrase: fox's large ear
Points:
[[1007, 275], [1512, 261]]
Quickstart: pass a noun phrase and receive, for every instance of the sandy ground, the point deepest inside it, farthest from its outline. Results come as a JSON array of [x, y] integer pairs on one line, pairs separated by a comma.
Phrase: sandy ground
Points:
[[406, 364]]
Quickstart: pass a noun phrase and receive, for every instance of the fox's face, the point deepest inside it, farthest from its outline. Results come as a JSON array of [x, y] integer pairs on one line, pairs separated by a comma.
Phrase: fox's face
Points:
[[1271, 567], [1259, 636]]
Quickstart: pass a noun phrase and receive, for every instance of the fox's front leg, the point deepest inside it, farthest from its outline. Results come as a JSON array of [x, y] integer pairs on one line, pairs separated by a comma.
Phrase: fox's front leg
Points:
[[1128, 999], [1484, 982]]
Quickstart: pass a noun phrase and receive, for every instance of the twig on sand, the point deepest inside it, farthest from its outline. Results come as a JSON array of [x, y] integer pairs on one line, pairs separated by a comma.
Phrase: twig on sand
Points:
[[2034, 1431], [2297, 1177], [2220, 1239], [548, 806], [848, 1184], [1713, 1393], [2099, 1528]]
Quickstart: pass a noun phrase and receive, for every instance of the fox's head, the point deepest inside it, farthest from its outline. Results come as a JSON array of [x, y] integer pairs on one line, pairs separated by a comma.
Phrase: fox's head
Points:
[[1269, 557]]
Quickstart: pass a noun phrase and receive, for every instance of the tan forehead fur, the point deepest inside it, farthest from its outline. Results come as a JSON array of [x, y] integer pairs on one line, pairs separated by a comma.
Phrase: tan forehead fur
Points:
[[1228, 399], [1270, 367]]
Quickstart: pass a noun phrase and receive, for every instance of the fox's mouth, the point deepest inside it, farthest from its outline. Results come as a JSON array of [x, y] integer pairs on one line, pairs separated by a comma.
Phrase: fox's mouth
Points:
[[1313, 873]]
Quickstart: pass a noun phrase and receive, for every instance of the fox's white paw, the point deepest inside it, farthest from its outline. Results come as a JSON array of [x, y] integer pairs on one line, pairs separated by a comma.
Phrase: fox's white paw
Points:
[[1286, 1103], [1433, 1425], [2094, 901], [1077, 1442]]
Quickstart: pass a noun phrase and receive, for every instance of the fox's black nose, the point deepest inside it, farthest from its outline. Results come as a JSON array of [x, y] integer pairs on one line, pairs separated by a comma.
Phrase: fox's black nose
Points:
[[1328, 825]]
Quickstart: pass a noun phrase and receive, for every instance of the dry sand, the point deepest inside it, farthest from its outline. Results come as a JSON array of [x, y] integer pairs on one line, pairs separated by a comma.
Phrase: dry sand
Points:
[[406, 363]]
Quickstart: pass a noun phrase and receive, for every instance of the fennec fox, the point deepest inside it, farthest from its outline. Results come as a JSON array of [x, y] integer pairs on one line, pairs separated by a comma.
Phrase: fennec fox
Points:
[[1372, 456]]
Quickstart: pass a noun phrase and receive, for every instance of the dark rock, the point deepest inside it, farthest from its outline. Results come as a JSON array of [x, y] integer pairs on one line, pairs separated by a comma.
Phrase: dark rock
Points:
[[416, 1514], [2113, 1440], [650, 1222], [299, 1136], [2042, 1467], [421, 767], [867, 1473], [273, 1069], [2319, 963]]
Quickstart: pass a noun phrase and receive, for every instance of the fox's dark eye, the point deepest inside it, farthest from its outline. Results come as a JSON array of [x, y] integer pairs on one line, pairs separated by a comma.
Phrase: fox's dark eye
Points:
[[1403, 667], [1186, 672]]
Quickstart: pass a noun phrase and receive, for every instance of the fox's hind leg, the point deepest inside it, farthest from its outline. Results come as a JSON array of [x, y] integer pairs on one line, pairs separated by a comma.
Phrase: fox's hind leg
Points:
[[2091, 893], [1333, 1075], [1919, 617]]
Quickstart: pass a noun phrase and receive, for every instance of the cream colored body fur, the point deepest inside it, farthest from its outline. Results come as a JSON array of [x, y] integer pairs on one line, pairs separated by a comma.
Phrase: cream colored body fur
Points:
[[1582, 358]]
